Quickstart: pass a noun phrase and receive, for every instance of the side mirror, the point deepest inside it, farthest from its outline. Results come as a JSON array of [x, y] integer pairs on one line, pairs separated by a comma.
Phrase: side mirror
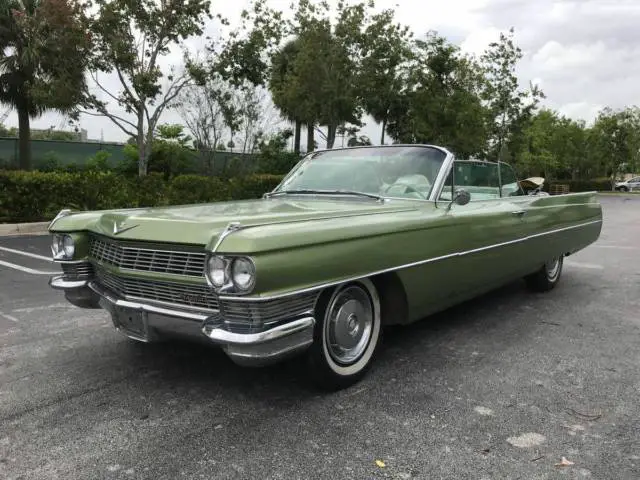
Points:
[[461, 197]]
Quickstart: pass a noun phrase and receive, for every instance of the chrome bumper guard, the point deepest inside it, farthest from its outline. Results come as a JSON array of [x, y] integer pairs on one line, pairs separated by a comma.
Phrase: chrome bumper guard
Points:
[[146, 322]]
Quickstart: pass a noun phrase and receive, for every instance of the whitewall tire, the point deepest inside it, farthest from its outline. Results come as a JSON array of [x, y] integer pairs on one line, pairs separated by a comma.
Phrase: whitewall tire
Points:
[[346, 335]]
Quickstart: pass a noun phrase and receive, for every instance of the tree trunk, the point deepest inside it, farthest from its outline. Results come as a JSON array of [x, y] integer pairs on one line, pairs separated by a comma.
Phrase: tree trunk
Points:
[[384, 127], [24, 142], [310, 138], [142, 146], [331, 135], [296, 138]]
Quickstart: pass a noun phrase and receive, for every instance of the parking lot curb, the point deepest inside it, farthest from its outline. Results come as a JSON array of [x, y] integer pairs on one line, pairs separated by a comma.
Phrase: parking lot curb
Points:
[[35, 228]]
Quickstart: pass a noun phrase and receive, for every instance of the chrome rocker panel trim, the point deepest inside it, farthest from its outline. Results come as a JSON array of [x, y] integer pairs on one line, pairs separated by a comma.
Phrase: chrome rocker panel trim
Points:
[[158, 322]]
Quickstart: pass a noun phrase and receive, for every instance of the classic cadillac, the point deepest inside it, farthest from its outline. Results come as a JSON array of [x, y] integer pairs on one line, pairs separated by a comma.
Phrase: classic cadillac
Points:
[[352, 240]]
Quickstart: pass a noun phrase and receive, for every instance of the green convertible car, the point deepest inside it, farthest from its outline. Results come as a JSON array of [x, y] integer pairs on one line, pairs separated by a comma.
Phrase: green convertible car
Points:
[[352, 240]]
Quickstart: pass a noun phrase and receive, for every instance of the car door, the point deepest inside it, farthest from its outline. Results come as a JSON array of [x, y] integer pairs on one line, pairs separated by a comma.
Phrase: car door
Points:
[[634, 183], [490, 227]]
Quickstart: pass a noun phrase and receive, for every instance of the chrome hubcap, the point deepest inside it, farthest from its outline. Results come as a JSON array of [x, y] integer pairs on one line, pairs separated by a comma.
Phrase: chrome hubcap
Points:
[[553, 268], [349, 325]]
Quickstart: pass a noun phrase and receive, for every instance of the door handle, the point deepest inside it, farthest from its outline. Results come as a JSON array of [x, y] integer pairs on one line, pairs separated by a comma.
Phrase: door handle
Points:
[[519, 213]]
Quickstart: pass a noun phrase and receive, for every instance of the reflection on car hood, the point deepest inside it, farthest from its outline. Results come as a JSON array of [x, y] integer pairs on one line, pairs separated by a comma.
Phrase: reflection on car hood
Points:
[[201, 224]]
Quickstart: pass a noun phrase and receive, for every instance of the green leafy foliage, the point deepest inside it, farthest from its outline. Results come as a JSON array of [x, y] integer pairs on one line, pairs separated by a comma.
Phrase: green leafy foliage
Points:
[[441, 104], [34, 36], [130, 38], [509, 107], [36, 196], [273, 157], [583, 185]]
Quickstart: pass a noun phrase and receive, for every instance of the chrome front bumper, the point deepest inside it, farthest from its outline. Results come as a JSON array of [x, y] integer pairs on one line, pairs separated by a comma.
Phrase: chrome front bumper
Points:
[[147, 322]]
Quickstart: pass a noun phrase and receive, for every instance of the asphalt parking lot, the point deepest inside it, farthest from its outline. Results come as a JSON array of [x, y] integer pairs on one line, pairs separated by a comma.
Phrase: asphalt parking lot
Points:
[[503, 386]]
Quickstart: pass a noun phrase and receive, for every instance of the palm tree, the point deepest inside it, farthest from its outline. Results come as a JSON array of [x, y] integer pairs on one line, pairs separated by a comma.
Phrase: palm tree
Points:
[[44, 48], [282, 68]]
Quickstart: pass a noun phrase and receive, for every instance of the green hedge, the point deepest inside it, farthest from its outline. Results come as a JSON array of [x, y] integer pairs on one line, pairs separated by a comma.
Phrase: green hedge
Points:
[[584, 185], [38, 196]]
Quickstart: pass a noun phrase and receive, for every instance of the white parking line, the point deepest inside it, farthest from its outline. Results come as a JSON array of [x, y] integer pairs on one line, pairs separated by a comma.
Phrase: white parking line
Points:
[[44, 307], [617, 247], [590, 266], [9, 317], [26, 269], [27, 254]]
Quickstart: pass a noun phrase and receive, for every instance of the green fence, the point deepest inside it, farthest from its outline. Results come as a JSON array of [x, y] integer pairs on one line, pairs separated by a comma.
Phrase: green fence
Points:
[[65, 152], [69, 153]]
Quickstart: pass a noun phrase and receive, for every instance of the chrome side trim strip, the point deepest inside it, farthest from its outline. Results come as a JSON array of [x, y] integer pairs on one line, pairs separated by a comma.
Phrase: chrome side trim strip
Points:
[[226, 337], [409, 265]]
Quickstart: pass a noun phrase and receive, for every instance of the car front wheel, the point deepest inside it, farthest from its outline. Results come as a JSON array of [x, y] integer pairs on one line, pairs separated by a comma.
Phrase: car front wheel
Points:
[[346, 335], [547, 277]]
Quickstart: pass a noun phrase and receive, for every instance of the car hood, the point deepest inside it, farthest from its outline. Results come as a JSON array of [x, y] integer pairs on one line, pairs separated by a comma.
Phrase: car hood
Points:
[[202, 224]]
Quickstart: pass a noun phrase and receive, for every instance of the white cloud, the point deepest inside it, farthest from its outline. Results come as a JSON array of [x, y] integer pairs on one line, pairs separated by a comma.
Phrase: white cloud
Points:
[[580, 110], [555, 57]]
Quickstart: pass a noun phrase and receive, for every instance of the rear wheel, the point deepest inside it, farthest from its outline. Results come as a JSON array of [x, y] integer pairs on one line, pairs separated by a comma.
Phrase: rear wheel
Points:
[[547, 277], [346, 335]]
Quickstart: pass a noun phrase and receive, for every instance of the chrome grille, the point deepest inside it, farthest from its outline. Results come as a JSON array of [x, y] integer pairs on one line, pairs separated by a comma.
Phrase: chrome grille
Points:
[[269, 311], [130, 256], [77, 270], [199, 296]]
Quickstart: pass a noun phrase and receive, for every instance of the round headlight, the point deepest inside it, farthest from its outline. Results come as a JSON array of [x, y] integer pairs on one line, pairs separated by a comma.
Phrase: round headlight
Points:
[[56, 245], [216, 268], [68, 246], [243, 273]]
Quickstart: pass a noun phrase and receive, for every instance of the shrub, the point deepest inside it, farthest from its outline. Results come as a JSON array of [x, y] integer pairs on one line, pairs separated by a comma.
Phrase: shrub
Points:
[[50, 162], [197, 189], [99, 161], [253, 186], [37, 196], [584, 185]]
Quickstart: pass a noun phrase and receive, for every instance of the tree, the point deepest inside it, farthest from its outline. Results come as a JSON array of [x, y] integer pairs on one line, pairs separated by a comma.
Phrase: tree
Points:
[[131, 38], [555, 147], [282, 62], [45, 44], [440, 102], [614, 141], [206, 109], [314, 78], [384, 68], [170, 153], [509, 107], [256, 116]]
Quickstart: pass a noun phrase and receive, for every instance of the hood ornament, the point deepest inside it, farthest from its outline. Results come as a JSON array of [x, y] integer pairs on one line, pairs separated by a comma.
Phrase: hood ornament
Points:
[[117, 229]]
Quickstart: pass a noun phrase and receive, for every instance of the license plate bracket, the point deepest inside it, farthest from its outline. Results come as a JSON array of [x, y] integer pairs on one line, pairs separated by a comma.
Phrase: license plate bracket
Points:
[[132, 322]]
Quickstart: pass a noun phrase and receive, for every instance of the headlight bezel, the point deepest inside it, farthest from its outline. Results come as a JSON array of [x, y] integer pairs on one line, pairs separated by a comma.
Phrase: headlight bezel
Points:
[[228, 284]]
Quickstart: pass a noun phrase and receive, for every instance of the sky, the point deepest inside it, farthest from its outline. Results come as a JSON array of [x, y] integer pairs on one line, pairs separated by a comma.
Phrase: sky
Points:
[[584, 54]]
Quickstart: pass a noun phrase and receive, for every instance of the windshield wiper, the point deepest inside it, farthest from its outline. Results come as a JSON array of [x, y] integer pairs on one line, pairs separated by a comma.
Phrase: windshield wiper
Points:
[[324, 192]]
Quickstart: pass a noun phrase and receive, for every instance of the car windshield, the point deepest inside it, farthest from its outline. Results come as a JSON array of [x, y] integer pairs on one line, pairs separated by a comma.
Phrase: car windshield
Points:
[[393, 171]]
